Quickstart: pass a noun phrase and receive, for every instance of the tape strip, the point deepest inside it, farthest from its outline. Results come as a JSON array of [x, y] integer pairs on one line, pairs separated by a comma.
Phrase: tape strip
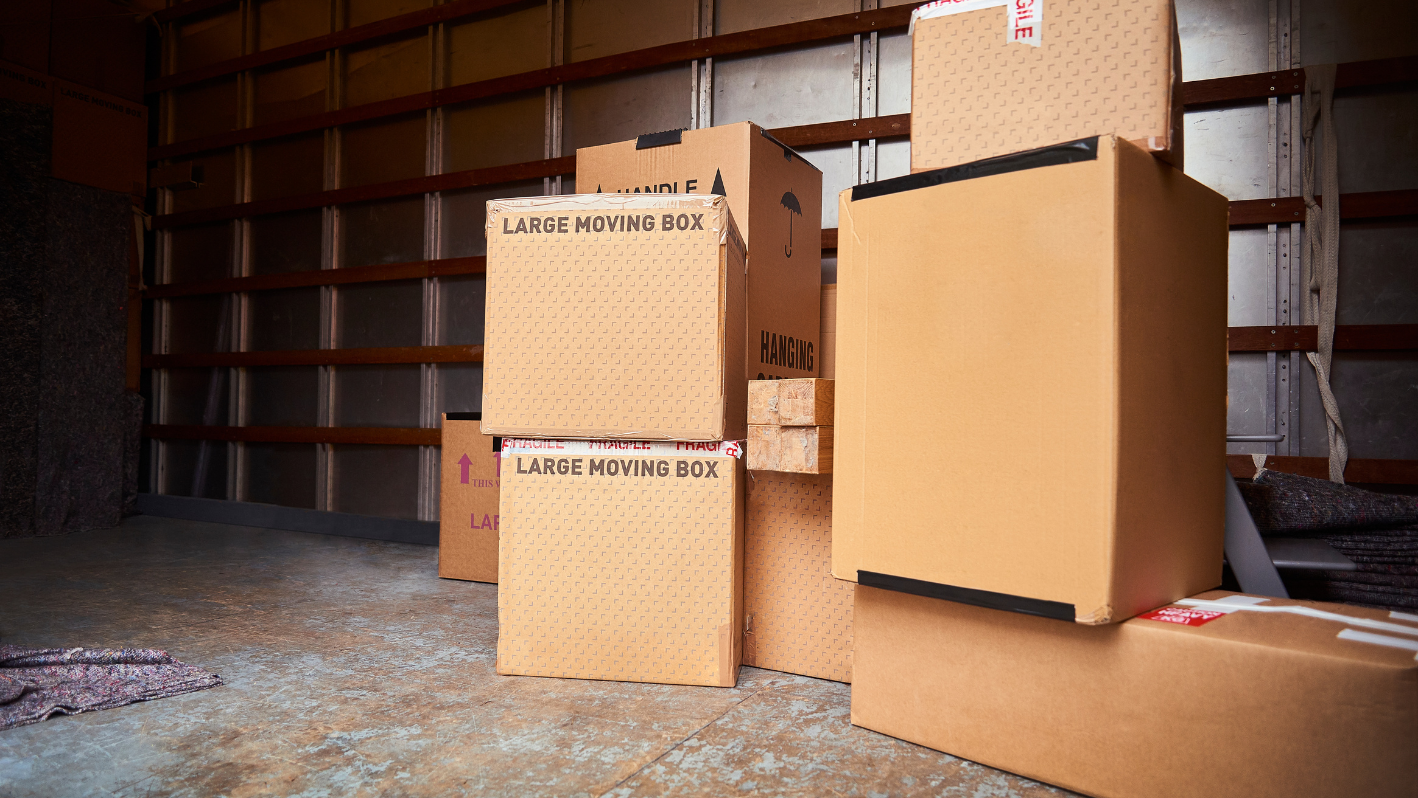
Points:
[[1026, 17], [1222, 605], [1379, 640], [1403, 616], [622, 448]]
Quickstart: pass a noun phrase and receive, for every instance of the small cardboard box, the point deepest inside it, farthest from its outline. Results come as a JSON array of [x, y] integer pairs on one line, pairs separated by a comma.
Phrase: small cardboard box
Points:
[[797, 618], [776, 199], [1031, 382], [622, 560], [1229, 696], [990, 77], [467, 503], [614, 316]]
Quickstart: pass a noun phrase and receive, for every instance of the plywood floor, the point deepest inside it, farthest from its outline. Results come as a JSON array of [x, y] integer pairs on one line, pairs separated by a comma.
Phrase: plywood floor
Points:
[[352, 670]]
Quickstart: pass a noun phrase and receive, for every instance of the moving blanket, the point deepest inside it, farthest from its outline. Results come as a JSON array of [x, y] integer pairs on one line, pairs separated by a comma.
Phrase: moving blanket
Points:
[[38, 682]]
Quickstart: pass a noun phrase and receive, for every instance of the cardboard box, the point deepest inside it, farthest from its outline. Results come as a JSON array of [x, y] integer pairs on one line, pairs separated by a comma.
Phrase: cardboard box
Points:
[[992, 78], [790, 403], [603, 323], [827, 363], [468, 515], [1213, 699], [797, 618], [801, 450], [622, 560], [1030, 380], [776, 199]]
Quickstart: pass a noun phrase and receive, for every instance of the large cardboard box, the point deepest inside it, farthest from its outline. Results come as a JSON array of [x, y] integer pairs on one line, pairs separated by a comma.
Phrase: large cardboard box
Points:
[[621, 560], [612, 316], [990, 77], [468, 516], [1031, 382], [1227, 695], [797, 618], [776, 199]]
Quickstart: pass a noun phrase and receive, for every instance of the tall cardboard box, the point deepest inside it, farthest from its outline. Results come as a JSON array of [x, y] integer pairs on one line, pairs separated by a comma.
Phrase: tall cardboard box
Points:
[[612, 316], [797, 618], [1031, 382], [621, 560], [468, 516], [828, 362], [1228, 696], [990, 77], [776, 199]]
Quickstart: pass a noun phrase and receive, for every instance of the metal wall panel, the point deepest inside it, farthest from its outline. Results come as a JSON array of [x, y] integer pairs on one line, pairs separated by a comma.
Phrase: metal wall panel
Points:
[[616, 109], [193, 323], [733, 16], [208, 39], [383, 151], [280, 396], [380, 314], [1378, 403], [287, 167], [1378, 273], [204, 109], [461, 309], [1336, 31], [492, 46], [460, 388], [377, 480], [280, 473], [188, 391], [385, 71], [388, 231], [839, 171], [182, 464], [290, 91], [1247, 384], [285, 319], [200, 252], [1250, 285], [1378, 141], [286, 242], [377, 396], [1221, 38], [218, 187], [495, 133], [798, 87], [893, 158], [596, 28], [1228, 150], [464, 215], [281, 22], [893, 95]]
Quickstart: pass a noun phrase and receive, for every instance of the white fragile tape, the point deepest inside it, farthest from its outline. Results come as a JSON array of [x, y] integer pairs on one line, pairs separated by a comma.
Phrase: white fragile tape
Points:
[[622, 448], [1255, 604], [1379, 640], [1403, 616], [1026, 17]]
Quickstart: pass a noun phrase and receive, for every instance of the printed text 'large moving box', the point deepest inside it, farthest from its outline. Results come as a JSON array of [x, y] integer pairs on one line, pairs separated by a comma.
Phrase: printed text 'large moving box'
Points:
[[613, 316], [1031, 383], [621, 560], [1224, 695], [776, 198]]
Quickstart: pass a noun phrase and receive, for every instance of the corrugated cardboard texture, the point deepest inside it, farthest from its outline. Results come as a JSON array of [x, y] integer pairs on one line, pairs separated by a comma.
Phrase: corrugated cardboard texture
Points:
[[798, 618], [468, 504], [1248, 705], [600, 334], [776, 200], [1104, 67], [625, 578], [1052, 481], [828, 361]]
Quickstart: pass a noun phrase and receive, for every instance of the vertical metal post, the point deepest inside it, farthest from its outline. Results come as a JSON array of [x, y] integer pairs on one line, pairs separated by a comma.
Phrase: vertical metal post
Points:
[[1284, 143], [162, 273], [432, 229], [864, 94], [239, 341], [552, 143], [701, 73], [329, 259]]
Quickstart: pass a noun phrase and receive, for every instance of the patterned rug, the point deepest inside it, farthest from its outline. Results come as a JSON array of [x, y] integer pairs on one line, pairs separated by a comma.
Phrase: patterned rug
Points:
[[36, 683], [1379, 532]]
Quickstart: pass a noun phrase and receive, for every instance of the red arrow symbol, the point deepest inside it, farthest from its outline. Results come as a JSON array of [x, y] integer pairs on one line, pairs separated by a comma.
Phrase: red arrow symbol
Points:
[[465, 462]]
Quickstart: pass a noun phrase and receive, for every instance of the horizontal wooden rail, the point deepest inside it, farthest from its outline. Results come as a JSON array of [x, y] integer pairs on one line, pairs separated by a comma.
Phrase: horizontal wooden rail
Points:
[[446, 267], [1380, 472], [1287, 82], [359, 34], [318, 357], [399, 436], [759, 40], [1365, 205], [188, 9], [1347, 337]]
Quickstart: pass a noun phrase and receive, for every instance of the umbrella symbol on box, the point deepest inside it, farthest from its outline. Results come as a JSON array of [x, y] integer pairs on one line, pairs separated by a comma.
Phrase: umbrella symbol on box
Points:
[[790, 201]]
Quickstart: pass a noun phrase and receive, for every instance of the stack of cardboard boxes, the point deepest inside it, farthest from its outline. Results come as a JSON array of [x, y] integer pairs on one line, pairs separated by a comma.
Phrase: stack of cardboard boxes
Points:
[[1002, 525]]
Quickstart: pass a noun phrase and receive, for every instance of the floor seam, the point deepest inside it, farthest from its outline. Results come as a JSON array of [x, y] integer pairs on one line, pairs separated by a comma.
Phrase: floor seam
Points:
[[686, 739]]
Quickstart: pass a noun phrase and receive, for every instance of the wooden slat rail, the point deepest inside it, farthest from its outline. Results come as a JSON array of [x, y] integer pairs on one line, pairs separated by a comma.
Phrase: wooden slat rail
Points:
[[1286, 82], [1347, 337], [751, 41], [415, 270], [189, 8], [1365, 205], [397, 436], [1374, 471], [359, 34], [319, 357]]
